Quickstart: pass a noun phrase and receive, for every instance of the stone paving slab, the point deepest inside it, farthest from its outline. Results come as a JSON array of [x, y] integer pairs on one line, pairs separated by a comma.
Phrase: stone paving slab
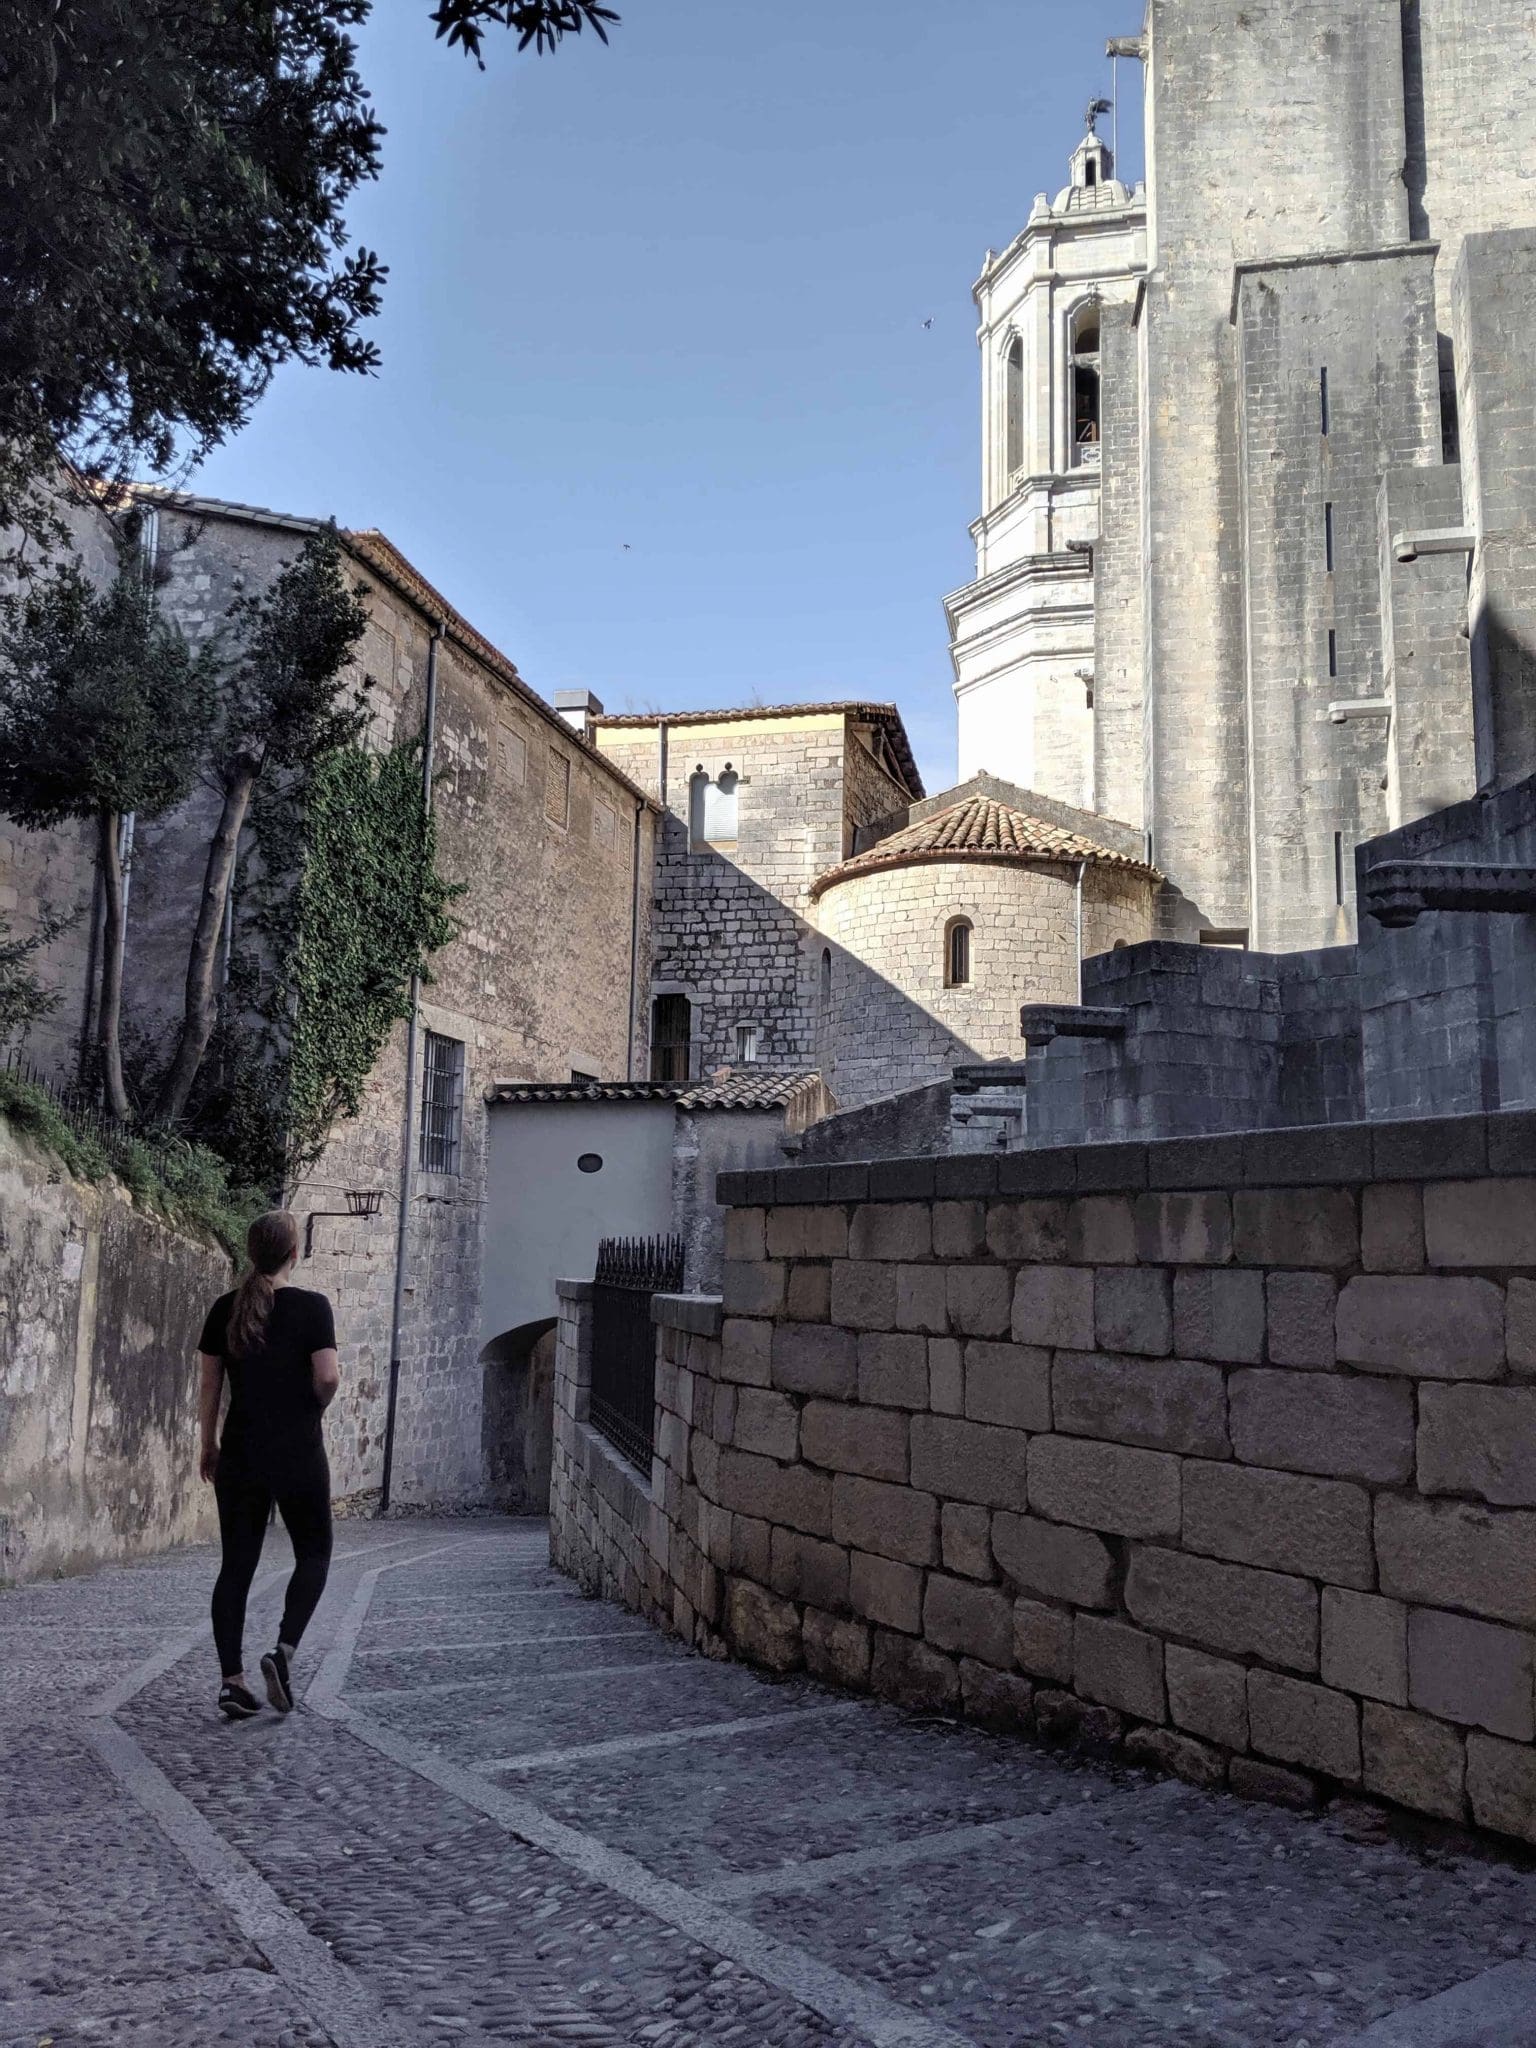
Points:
[[857, 1879], [1182, 1919]]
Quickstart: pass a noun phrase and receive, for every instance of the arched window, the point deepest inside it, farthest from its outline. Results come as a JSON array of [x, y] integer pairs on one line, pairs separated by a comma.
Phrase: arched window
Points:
[[826, 978], [671, 1038], [1013, 407], [1085, 387], [957, 953]]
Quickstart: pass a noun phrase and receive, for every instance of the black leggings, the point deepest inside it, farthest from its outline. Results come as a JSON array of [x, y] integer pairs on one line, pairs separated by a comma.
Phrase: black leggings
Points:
[[244, 1505]]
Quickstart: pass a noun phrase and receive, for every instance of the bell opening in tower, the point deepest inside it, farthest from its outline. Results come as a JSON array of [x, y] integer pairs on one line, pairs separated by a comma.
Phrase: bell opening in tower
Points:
[[1085, 389]]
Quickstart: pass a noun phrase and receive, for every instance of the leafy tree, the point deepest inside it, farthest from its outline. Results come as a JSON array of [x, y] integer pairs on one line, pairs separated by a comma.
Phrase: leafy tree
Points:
[[23, 999], [104, 709], [173, 186], [540, 22], [282, 706]]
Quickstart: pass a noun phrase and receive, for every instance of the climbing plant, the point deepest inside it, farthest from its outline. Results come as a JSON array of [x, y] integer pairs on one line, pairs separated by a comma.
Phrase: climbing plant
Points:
[[372, 909], [343, 905]]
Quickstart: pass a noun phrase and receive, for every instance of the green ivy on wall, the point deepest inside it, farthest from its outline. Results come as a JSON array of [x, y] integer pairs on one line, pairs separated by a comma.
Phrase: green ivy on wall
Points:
[[341, 903], [371, 910]]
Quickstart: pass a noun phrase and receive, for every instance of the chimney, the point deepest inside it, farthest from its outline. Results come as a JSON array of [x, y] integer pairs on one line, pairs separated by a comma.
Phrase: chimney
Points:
[[578, 708]]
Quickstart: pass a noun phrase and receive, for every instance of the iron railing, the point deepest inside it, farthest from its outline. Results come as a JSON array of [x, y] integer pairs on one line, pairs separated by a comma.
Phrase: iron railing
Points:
[[87, 1116], [629, 1271]]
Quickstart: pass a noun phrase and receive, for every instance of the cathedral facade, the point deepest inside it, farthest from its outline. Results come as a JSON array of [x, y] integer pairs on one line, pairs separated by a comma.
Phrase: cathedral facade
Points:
[[1198, 609]]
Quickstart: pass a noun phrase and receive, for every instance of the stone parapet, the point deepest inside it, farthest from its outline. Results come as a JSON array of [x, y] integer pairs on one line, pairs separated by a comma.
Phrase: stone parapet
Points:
[[1220, 1450]]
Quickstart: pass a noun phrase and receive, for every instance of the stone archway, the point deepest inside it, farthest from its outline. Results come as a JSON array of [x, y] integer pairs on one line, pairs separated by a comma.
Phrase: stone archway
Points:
[[517, 1429]]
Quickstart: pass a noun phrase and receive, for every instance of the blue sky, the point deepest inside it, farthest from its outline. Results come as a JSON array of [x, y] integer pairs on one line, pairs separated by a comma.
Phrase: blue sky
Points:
[[671, 293]]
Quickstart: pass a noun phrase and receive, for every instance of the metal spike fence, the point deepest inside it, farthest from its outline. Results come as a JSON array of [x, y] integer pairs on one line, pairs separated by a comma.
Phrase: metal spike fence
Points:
[[630, 1270], [83, 1111]]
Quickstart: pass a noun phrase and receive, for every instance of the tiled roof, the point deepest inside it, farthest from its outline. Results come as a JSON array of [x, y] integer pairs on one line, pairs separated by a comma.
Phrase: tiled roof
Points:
[[884, 715], [980, 829], [739, 1090]]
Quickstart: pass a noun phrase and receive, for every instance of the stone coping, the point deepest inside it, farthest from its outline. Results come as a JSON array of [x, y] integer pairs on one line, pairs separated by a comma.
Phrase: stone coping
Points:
[[574, 1290], [1311, 1155], [701, 1315]]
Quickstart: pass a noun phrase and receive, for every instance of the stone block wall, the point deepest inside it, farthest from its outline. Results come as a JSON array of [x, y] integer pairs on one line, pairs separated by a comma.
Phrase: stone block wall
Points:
[[894, 1022], [1311, 559], [1448, 1006], [622, 1534], [100, 1310], [732, 923], [1217, 1451], [1215, 1040]]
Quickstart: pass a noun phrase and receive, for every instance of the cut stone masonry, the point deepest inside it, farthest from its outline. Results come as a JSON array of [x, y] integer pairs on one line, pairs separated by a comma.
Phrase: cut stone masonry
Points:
[[1210, 1449]]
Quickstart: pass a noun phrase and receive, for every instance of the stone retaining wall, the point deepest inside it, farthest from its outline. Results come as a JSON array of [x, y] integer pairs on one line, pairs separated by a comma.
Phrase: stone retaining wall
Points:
[[1221, 1449], [100, 1309]]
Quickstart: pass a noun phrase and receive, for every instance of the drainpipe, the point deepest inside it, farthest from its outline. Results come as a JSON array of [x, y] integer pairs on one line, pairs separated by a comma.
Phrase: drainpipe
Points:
[[634, 944], [408, 1127], [1082, 869]]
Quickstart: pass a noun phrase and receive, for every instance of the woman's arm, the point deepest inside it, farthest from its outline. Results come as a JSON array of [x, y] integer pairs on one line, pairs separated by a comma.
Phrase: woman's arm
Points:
[[326, 1368], [209, 1395]]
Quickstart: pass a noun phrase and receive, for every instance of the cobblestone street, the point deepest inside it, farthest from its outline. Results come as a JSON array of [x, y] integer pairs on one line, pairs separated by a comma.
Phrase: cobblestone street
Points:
[[505, 1813]]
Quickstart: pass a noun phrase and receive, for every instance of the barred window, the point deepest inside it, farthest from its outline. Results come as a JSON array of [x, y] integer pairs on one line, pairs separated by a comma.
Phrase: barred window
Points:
[[442, 1104]]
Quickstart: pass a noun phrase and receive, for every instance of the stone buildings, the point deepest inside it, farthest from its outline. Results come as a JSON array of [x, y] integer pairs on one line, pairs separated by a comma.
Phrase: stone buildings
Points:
[[815, 911], [546, 979], [1254, 589], [1023, 632], [1278, 399]]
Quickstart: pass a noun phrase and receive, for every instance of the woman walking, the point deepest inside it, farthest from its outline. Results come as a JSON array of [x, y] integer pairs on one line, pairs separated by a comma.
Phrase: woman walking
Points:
[[276, 1345]]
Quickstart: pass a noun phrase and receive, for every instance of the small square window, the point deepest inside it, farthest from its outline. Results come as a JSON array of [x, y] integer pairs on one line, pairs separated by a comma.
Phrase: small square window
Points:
[[557, 789], [442, 1104]]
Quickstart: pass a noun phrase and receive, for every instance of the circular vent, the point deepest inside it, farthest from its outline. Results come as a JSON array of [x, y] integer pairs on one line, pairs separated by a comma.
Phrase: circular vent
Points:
[[590, 1162]]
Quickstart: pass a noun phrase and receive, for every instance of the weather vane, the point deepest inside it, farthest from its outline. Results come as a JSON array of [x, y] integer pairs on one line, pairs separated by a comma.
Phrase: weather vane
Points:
[[1095, 108]]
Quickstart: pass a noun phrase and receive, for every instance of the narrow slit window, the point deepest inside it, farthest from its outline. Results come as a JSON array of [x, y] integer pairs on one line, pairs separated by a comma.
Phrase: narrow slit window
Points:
[[1338, 867], [1013, 406], [1323, 399], [557, 789], [826, 978], [1328, 536], [957, 954], [1333, 652]]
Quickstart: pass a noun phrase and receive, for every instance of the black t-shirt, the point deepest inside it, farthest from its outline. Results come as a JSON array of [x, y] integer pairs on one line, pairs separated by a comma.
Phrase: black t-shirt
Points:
[[272, 1428]]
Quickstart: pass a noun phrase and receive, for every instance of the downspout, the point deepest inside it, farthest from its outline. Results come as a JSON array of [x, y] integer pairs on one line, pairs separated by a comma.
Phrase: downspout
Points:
[[1082, 869], [408, 1124], [634, 943]]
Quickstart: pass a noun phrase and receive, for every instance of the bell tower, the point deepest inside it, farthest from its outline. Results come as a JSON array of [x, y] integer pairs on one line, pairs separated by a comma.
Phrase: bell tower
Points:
[[1021, 635]]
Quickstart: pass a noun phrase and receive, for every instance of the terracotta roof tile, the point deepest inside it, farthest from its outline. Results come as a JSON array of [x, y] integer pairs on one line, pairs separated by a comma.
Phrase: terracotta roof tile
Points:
[[980, 829], [740, 1090]]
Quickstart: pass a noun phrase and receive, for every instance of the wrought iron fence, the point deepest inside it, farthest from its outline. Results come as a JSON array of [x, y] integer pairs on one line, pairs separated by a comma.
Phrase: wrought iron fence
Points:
[[629, 1271], [83, 1111]]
